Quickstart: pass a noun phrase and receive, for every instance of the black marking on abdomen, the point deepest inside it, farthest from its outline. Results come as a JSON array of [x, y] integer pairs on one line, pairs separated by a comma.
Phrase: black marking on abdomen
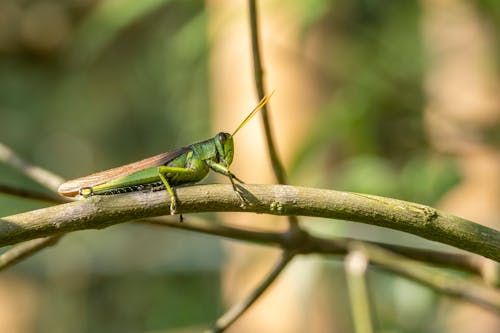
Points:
[[156, 186]]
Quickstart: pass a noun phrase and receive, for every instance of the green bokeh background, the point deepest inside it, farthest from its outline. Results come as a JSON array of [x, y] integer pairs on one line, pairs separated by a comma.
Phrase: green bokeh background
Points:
[[118, 81]]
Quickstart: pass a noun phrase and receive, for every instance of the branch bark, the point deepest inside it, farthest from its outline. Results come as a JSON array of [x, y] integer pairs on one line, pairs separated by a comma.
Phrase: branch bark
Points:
[[102, 211]]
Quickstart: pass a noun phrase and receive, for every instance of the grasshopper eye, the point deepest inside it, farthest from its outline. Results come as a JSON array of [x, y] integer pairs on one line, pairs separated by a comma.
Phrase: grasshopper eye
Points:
[[222, 138]]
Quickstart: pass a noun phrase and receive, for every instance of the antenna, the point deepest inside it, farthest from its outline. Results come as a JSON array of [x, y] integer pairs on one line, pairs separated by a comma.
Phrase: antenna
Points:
[[259, 106]]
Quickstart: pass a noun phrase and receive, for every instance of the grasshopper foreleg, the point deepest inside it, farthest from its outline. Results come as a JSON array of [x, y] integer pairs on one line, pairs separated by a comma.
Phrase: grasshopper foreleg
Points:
[[219, 168]]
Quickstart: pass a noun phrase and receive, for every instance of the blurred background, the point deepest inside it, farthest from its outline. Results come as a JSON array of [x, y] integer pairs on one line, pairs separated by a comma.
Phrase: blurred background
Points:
[[393, 98]]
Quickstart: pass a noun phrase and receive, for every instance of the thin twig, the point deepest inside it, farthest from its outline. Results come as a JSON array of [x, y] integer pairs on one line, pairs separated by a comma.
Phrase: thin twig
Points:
[[40, 175], [279, 170], [25, 250], [238, 309]]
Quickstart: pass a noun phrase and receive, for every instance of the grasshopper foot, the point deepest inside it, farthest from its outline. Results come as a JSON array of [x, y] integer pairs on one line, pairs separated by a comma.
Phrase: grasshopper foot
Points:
[[243, 204], [239, 196], [236, 191]]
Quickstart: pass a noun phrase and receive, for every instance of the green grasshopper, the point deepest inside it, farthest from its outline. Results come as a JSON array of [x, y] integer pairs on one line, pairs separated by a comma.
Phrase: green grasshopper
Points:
[[186, 165]]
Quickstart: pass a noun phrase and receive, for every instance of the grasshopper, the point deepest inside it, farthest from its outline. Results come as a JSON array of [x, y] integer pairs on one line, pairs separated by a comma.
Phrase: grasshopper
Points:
[[186, 165]]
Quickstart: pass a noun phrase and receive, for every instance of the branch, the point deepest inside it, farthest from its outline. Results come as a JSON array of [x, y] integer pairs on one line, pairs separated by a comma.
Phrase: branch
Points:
[[278, 169], [307, 243], [25, 250], [41, 176], [47, 179], [103, 211]]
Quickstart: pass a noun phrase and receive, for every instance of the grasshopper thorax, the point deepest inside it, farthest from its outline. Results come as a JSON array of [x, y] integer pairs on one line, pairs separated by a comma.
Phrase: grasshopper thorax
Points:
[[225, 148]]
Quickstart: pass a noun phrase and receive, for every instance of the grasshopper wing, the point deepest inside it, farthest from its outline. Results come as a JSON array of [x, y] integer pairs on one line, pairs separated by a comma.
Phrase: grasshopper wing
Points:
[[72, 187]]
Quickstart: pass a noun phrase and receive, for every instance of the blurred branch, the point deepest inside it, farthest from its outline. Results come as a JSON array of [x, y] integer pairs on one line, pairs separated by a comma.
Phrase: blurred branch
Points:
[[47, 179], [356, 265], [103, 211], [41, 176], [25, 250], [469, 290], [238, 309], [31, 194], [279, 170], [308, 243]]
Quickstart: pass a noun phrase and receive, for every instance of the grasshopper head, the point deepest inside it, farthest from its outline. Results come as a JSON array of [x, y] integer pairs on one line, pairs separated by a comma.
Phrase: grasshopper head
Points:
[[225, 148]]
